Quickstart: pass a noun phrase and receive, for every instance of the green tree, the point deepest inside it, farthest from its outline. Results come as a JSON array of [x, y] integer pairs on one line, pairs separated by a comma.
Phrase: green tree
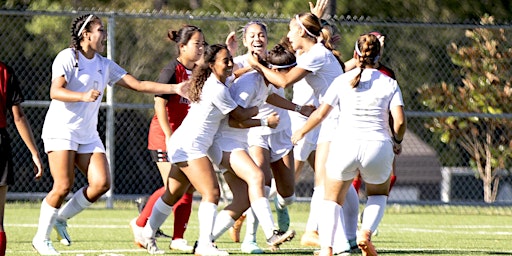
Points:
[[485, 67]]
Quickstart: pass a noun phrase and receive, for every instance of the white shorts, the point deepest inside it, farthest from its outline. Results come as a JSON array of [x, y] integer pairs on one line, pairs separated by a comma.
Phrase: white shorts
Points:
[[327, 130], [303, 150], [279, 144], [186, 152], [297, 121], [374, 159], [62, 144]]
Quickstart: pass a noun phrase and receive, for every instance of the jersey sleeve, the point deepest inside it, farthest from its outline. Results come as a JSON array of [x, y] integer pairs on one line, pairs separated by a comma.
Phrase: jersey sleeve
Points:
[[310, 61], [223, 101], [167, 76], [116, 72], [14, 95], [396, 98], [64, 65]]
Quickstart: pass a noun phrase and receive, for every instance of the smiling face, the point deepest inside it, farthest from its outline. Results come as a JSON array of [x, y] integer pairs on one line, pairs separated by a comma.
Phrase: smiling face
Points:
[[255, 39], [295, 35], [194, 48], [223, 65]]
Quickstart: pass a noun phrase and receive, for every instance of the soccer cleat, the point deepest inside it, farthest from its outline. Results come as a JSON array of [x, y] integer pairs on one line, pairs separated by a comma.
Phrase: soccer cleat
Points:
[[180, 245], [280, 237], [160, 233], [44, 247], [209, 250], [234, 231], [137, 233], [62, 232], [310, 238], [353, 246], [141, 202], [364, 242], [151, 247], [251, 248], [283, 217]]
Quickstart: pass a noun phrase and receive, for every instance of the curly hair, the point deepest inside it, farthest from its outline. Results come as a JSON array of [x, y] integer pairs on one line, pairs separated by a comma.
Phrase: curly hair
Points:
[[202, 72]]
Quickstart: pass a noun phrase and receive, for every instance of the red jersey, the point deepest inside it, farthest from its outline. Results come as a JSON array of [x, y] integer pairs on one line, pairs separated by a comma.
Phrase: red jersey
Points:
[[176, 107], [10, 93]]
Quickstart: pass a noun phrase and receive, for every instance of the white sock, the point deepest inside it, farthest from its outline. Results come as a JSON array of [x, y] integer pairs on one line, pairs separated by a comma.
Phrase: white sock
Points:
[[340, 239], [251, 226], [373, 212], [328, 222], [272, 189], [206, 213], [74, 206], [261, 208], [350, 213], [159, 214], [47, 218], [222, 223], [314, 208]]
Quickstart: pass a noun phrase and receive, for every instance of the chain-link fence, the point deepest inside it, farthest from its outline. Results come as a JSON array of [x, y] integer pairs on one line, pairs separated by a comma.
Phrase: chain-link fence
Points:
[[428, 171]]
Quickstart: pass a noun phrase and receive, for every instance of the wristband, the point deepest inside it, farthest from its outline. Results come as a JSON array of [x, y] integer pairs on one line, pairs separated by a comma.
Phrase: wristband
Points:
[[298, 108], [264, 121], [397, 141]]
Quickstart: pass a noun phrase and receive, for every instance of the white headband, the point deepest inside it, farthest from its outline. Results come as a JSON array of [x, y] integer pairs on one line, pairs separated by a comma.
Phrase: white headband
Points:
[[303, 27], [85, 24], [376, 59], [283, 66]]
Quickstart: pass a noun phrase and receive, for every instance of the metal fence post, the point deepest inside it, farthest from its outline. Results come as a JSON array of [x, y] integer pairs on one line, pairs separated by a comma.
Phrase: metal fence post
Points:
[[109, 137]]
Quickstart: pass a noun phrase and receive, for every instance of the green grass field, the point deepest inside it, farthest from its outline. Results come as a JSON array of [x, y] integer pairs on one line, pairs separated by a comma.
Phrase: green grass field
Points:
[[100, 231]]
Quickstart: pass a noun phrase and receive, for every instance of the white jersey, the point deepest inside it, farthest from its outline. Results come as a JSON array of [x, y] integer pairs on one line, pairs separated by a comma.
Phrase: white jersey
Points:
[[324, 68], [364, 110], [195, 135], [78, 121], [247, 91]]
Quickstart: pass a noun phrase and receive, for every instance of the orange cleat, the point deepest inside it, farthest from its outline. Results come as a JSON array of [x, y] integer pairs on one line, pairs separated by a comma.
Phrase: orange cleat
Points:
[[234, 231], [364, 242], [310, 238]]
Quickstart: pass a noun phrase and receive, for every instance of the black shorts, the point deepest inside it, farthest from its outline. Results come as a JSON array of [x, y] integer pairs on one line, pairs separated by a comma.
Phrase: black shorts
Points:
[[158, 156], [6, 173]]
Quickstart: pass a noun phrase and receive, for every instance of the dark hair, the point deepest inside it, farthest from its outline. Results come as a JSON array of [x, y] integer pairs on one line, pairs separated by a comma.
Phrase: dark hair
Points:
[[367, 49], [183, 35], [203, 71], [78, 24], [280, 56]]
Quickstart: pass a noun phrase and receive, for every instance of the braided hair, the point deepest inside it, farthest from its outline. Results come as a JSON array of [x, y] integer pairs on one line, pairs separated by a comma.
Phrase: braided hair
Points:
[[367, 49], [79, 25]]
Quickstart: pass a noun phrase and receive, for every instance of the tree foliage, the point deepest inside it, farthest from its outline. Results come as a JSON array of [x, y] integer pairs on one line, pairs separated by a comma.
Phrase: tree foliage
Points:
[[485, 66]]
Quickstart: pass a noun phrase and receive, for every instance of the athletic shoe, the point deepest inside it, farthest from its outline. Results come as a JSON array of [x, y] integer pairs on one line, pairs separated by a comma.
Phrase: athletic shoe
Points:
[[44, 247], [151, 247], [209, 250], [251, 248], [62, 232], [180, 245], [234, 231], [280, 237], [364, 242], [310, 238], [353, 246], [283, 218], [160, 233], [141, 202], [137, 233]]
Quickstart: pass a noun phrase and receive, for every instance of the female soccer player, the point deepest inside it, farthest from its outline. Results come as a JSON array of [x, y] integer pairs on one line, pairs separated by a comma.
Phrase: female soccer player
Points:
[[79, 76]]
